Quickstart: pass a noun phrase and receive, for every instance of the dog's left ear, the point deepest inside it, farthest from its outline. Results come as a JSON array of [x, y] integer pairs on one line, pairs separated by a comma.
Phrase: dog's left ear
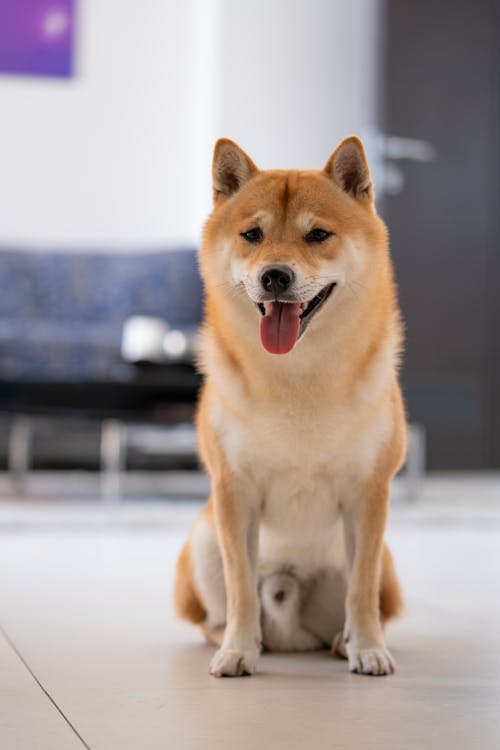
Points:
[[231, 168], [348, 168]]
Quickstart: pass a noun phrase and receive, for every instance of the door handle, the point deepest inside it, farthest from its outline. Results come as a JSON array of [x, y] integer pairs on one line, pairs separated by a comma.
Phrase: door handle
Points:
[[388, 152], [396, 148]]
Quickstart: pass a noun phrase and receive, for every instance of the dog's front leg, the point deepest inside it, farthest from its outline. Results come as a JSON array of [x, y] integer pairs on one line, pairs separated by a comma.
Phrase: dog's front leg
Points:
[[364, 525], [237, 525]]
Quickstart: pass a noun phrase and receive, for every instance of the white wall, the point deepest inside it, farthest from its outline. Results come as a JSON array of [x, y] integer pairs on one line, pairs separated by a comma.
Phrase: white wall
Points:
[[120, 156], [297, 76], [100, 159]]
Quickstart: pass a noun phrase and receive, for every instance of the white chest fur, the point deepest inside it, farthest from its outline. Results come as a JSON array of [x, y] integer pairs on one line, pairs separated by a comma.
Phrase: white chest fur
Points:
[[302, 448], [297, 466]]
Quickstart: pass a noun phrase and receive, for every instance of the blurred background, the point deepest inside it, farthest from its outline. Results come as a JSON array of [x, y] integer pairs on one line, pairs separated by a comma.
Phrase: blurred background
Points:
[[109, 112]]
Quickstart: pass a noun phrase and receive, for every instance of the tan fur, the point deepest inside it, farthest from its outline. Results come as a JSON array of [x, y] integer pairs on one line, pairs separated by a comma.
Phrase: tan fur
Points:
[[214, 636], [391, 599], [300, 447], [186, 597], [190, 607]]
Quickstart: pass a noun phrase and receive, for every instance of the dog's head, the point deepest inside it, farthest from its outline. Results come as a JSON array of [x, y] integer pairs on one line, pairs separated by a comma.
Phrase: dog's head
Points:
[[286, 244]]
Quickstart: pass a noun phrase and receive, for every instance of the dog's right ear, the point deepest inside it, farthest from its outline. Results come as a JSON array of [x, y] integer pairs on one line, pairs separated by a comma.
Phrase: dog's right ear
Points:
[[231, 169]]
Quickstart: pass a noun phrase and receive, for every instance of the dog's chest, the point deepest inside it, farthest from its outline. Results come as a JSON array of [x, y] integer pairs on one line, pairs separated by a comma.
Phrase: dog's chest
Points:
[[298, 457], [299, 466], [299, 486], [299, 504]]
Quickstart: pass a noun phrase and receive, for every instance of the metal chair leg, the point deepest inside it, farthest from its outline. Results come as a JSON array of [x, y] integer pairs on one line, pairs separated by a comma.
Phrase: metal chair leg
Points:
[[415, 460], [113, 450], [19, 452]]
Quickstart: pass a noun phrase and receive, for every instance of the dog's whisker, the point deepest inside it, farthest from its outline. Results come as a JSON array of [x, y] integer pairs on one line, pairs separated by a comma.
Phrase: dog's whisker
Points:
[[358, 283], [353, 291]]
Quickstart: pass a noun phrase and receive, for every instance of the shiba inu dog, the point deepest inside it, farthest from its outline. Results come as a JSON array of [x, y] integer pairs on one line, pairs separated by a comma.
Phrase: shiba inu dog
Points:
[[301, 423]]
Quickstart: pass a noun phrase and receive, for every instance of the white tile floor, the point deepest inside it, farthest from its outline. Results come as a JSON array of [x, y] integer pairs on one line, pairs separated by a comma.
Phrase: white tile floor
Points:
[[91, 655]]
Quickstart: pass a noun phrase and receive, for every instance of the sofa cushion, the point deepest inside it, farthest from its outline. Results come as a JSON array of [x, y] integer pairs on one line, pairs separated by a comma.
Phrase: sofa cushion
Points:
[[61, 314]]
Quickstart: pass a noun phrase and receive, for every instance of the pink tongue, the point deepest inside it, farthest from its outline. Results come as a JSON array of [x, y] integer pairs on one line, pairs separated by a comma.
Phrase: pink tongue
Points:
[[279, 328]]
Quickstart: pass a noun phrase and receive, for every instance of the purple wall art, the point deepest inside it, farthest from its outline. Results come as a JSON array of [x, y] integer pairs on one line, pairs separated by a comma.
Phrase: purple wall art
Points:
[[36, 37]]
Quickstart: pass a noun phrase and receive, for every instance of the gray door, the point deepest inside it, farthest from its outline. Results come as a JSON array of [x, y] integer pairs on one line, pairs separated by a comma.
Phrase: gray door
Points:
[[441, 79]]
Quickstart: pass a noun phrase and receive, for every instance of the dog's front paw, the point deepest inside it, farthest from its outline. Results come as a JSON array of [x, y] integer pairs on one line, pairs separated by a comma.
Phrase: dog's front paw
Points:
[[375, 661], [231, 663]]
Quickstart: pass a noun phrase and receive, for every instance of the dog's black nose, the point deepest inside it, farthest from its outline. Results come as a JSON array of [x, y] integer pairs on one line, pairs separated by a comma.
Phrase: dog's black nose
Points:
[[277, 279]]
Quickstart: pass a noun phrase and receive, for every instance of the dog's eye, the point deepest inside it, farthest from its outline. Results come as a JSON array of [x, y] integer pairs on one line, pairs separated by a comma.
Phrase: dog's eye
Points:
[[317, 235], [254, 235]]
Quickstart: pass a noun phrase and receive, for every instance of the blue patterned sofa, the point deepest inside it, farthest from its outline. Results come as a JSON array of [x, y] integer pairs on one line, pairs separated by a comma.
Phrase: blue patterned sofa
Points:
[[61, 320], [61, 314]]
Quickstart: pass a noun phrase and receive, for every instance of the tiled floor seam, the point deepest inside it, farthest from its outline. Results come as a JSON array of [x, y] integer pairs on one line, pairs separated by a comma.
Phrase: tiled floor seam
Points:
[[14, 648]]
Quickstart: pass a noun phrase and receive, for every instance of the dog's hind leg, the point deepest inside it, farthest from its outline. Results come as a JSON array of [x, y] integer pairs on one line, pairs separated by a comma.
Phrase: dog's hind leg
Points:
[[324, 611], [199, 591], [390, 597], [187, 600], [214, 636]]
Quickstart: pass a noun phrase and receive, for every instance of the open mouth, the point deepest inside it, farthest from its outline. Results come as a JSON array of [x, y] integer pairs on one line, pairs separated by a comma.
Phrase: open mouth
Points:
[[313, 306], [284, 322], [308, 309]]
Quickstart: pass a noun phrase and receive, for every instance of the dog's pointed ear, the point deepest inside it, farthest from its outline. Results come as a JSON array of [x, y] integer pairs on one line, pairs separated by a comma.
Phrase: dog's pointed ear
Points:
[[348, 168], [231, 169]]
